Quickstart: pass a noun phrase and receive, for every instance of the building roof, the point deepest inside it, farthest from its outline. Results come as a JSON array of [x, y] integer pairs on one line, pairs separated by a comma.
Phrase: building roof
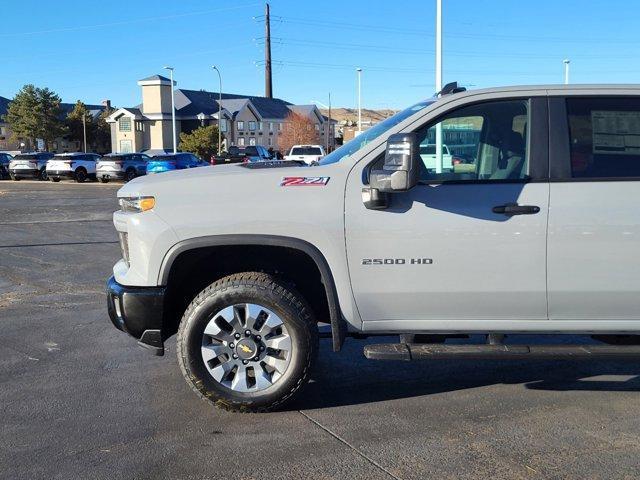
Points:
[[192, 102], [154, 77], [4, 105], [65, 108]]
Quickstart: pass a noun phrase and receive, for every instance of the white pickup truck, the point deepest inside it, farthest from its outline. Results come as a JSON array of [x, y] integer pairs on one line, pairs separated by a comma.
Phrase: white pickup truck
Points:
[[540, 236], [308, 154]]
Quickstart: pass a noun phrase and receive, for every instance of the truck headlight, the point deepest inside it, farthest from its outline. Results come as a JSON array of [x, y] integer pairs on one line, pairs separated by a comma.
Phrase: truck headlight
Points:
[[136, 204]]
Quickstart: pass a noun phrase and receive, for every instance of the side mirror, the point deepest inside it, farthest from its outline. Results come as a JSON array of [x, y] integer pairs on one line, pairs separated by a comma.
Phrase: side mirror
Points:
[[401, 160]]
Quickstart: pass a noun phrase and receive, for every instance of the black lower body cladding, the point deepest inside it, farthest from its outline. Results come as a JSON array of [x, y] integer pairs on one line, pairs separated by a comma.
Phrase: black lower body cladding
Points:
[[138, 311]]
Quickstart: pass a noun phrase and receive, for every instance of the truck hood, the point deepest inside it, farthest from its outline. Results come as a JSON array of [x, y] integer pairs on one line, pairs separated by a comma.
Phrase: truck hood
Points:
[[259, 176]]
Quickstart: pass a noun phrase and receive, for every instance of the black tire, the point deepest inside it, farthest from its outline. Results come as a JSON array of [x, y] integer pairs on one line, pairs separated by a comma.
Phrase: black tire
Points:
[[13, 177], [54, 180], [43, 175], [104, 180], [248, 287], [130, 175], [81, 175]]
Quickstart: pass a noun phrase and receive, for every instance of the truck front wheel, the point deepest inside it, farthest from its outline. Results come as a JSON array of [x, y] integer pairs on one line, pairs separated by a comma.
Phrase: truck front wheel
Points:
[[247, 343]]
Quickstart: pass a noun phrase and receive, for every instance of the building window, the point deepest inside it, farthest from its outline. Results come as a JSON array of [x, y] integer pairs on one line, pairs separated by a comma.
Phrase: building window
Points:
[[279, 127], [252, 141], [124, 124], [252, 126], [240, 126], [317, 127], [260, 126], [241, 142], [271, 126], [270, 141], [3, 131], [139, 126], [223, 125]]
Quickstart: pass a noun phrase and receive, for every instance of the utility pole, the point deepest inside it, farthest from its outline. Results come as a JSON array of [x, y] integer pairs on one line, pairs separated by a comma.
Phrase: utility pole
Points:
[[173, 110], [268, 85], [359, 131], [566, 62], [219, 111], [438, 82], [84, 130], [330, 134]]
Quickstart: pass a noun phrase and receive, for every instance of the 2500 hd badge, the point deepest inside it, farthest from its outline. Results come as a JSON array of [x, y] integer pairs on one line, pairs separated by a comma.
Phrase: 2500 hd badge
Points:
[[397, 261]]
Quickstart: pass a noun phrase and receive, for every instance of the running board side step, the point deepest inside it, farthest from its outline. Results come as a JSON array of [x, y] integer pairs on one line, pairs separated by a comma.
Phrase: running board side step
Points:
[[415, 351]]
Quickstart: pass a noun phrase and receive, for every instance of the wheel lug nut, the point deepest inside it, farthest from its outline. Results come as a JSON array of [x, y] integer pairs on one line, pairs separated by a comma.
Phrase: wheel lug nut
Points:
[[231, 345], [247, 332], [261, 348], [237, 336], [258, 337], [235, 356], [244, 362], [256, 359]]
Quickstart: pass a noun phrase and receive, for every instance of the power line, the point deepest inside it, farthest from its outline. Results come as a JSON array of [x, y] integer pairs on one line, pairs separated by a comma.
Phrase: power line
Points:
[[127, 22]]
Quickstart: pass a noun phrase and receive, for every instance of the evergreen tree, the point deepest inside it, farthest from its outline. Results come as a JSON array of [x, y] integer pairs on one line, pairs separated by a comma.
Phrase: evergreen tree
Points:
[[203, 141], [35, 113]]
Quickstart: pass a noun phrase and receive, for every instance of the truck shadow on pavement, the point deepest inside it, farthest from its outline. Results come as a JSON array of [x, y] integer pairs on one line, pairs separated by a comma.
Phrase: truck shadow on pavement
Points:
[[347, 378]]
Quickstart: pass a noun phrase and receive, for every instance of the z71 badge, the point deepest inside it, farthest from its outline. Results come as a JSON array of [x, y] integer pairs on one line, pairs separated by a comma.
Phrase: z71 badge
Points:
[[304, 181]]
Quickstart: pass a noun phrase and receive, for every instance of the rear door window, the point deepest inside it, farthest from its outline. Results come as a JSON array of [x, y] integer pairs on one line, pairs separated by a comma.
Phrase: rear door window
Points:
[[604, 136]]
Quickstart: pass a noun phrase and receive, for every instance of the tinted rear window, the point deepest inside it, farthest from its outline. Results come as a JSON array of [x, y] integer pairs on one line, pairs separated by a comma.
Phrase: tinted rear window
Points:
[[306, 151], [113, 158], [26, 157], [604, 137], [163, 158]]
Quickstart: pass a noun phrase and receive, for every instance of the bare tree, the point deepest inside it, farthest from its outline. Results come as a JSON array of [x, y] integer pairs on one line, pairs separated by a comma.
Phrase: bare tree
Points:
[[298, 130]]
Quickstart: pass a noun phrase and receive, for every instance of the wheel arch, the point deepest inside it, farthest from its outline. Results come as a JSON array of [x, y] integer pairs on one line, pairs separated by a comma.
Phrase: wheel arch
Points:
[[259, 241]]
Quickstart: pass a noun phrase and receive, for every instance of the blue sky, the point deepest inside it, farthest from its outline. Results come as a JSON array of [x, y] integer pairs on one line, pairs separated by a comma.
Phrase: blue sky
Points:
[[96, 50]]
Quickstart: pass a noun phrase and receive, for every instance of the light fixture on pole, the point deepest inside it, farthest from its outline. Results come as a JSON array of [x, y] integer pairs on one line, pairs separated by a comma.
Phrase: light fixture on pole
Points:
[[439, 82], [173, 110], [566, 62], [219, 110], [359, 70]]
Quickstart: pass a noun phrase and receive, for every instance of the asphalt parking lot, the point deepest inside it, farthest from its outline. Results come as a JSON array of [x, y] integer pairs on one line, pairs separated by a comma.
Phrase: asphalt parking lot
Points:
[[79, 399]]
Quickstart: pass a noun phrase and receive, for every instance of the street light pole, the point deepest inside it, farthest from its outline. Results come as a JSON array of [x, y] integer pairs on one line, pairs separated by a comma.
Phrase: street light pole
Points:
[[566, 70], [438, 81], [173, 110], [219, 110], [359, 70]]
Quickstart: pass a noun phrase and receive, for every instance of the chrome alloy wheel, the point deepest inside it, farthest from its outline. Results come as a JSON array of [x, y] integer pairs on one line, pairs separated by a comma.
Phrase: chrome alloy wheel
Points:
[[246, 347]]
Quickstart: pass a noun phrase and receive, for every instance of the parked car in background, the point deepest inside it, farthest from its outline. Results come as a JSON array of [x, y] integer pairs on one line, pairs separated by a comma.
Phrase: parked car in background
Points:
[[5, 159], [73, 166], [29, 165], [233, 155], [178, 161], [308, 154], [121, 166]]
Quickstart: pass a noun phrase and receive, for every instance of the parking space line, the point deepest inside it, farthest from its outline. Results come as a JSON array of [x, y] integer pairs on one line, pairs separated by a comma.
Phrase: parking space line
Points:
[[58, 244], [343, 441], [35, 222]]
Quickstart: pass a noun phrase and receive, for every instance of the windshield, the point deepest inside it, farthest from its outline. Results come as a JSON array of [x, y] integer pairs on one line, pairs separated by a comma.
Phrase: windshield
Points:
[[374, 132], [306, 151]]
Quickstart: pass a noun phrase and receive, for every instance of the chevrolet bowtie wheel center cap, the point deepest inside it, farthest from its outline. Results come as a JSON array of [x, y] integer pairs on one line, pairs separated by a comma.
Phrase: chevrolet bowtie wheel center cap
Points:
[[246, 349]]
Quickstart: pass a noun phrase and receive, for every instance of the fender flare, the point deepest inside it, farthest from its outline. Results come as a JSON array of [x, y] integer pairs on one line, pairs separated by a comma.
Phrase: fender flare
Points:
[[338, 323]]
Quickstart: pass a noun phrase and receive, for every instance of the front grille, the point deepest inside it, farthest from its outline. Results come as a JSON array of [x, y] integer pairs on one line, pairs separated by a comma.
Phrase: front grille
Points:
[[124, 246]]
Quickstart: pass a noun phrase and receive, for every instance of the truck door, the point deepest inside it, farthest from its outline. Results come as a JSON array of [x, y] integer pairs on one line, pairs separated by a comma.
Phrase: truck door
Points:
[[466, 244], [594, 221]]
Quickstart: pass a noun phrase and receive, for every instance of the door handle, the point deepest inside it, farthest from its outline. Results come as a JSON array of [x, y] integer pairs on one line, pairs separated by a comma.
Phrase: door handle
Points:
[[514, 209]]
